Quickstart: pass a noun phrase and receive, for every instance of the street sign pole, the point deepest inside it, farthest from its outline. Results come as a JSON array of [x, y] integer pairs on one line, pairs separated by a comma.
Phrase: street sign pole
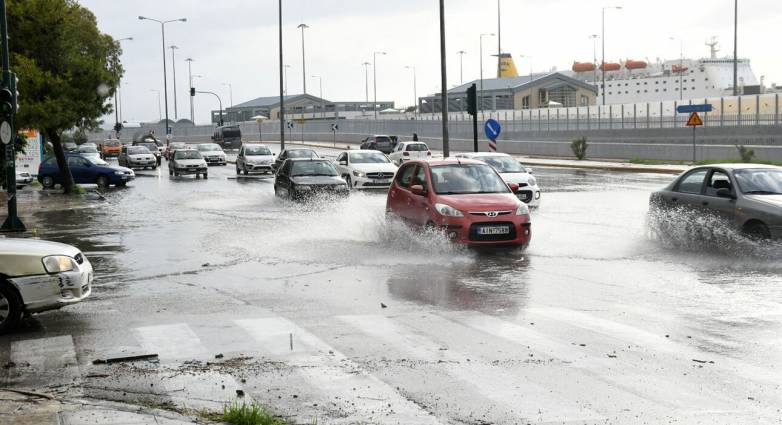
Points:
[[694, 158], [475, 132], [694, 121], [12, 222]]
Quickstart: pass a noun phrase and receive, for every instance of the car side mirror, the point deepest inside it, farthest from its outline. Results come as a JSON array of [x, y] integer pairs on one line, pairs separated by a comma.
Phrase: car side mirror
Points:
[[343, 163], [514, 187], [725, 193], [529, 170], [417, 189]]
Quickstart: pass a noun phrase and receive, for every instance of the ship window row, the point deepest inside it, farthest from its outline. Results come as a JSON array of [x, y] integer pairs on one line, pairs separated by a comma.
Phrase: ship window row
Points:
[[656, 82]]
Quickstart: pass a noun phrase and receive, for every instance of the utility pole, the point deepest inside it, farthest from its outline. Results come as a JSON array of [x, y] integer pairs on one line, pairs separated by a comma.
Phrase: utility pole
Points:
[[594, 38], [499, 40], [282, 83], [8, 108], [374, 79], [461, 54], [735, 47], [444, 82], [173, 70], [303, 58], [190, 78]]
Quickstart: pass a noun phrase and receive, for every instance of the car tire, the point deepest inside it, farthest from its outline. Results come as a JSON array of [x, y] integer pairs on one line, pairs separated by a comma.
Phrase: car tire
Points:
[[102, 181], [206, 176], [757, 232], [47, 182], [122, 184], [238, 171], [170, 172], [11, 307], [246, 173]]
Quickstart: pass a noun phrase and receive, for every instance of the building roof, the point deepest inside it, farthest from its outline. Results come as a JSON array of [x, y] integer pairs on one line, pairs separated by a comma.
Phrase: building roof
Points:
[[550, 80], [270, 101]]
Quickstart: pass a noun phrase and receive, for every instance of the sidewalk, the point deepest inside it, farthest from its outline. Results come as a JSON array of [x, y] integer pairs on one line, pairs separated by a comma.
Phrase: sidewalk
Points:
[[30, 409], [604, 165]]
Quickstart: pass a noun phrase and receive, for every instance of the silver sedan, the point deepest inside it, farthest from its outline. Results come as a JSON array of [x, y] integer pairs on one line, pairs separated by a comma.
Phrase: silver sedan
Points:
[[746, 197]]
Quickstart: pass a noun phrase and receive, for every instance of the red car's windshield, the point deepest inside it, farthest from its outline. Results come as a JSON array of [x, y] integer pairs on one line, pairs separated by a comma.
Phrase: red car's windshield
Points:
[[460, 179]]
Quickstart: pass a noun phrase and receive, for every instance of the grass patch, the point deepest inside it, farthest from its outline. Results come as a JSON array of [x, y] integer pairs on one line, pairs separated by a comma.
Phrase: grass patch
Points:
[[244, 414], [78, 190], [738, 161], [641, 161]]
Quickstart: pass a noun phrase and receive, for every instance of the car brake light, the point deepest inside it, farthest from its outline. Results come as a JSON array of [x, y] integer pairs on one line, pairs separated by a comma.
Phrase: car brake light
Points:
[[428, 153], [405, 153]]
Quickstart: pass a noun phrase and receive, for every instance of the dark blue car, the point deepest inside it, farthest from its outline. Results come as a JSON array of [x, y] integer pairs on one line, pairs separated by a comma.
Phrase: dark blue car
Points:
[[85, 171]]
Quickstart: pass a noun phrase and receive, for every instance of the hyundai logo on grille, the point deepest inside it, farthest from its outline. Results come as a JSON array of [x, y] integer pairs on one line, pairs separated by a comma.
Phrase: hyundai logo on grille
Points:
[[492, 214]]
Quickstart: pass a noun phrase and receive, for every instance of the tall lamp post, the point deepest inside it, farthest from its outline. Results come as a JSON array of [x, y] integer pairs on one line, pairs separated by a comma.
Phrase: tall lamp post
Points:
[[444, 82], [461, 54], [190, 79], [681, 66], [165, 78], [374, 79], [285, 69], [173, 70], [415, 89], [603, 40], [366, 66], [736, 48], [322, 104], [116, 96], [282, 82], [594, 38], [303, 57], [480, 89]]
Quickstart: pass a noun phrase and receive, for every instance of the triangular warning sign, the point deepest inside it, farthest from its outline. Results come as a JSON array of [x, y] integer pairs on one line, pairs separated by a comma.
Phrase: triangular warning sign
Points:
[[695, 120]]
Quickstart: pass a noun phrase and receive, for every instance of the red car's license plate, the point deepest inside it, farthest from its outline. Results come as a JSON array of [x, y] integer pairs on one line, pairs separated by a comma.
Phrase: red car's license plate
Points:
[[494, 230]]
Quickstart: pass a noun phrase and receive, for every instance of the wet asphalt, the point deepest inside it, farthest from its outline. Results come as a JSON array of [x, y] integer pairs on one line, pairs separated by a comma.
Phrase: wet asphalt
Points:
[[327, 312]]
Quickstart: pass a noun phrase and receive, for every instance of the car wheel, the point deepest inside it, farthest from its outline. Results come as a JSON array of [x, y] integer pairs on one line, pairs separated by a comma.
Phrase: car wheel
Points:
[[47, 182], [206, 176], [246, 173], [154, 167], [122, 184], [102, 181], [10, 307], [757, 232], [170, 172], [238, 171]]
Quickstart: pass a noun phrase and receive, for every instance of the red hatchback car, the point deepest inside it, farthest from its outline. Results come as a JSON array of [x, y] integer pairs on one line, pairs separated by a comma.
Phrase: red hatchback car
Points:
[[465, 198]]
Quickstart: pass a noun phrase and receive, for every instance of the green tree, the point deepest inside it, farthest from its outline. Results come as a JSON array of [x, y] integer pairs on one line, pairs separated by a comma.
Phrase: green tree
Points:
[[67, 69]]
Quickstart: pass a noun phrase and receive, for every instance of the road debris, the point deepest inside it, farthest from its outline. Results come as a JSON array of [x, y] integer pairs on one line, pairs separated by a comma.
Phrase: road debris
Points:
[[126, 359]]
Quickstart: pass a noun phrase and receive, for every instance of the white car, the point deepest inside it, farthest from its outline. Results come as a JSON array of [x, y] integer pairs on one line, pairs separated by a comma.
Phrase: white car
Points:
[[213, 154], [37, 275], [254, 159], [23, 178], [405, 151], [366, 169], [512, 171], [187, 161]]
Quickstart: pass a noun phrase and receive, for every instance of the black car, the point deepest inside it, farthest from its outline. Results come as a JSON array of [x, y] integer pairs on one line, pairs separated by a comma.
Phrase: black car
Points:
[[304, 178], [383, 144], [293, 153]]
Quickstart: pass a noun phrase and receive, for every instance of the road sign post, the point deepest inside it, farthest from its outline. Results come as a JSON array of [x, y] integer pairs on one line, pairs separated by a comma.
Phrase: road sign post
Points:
[[472, 109], [493, 129], [334, 128], [695, 121]]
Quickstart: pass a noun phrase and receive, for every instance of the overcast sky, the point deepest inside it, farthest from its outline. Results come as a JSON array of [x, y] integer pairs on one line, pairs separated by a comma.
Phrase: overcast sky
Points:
[[235, 41]]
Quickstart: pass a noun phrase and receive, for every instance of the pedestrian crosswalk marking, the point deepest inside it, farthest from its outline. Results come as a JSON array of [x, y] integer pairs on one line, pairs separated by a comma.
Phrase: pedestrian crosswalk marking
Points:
[[45, 353]]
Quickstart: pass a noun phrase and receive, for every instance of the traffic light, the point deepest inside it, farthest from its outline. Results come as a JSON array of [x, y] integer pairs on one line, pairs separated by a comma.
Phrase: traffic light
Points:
[[192, 91], [472, 100], [6, 104], [118, 127]]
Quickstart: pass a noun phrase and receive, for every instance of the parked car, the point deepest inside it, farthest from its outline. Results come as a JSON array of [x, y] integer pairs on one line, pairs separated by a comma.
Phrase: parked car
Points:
[[212, 153], [366, 169], [88, 145], [84, 171], [149, 138], [173, 147], [23, 178], [406, 151], [254, 159], [137, 157], [302, 178], [37, 276], [228, 137], [746, 197], [293, 153], [466, 198], [512, 171], [152, 148], [379, 143], [70, 147], [187, 162], [88, 151], [110, 148]]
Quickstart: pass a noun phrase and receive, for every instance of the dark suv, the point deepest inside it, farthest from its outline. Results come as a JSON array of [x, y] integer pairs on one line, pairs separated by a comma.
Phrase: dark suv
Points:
[[379, 143]]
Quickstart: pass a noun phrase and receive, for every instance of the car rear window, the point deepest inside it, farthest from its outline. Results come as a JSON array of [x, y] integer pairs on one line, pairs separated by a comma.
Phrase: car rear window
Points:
[[417, 147], [302, 153]]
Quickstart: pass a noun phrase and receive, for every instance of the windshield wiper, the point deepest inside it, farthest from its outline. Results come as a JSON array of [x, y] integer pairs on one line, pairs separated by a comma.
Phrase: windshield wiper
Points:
[[761, 192]]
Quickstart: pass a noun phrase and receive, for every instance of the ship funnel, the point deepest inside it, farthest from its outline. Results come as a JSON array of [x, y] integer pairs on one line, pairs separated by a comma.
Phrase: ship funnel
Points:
[[507, 67]]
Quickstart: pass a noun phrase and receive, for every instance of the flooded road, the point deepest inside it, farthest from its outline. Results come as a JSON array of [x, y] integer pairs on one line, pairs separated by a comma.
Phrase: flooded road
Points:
[[328, 312]]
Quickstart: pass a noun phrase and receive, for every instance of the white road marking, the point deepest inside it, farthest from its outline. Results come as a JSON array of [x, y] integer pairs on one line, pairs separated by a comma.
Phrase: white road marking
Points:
[[333, 374], [45, 353], [522, 397]]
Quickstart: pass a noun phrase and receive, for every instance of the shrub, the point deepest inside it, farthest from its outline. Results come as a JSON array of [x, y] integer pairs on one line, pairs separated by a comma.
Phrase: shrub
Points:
[[579, 147], [747, 155]]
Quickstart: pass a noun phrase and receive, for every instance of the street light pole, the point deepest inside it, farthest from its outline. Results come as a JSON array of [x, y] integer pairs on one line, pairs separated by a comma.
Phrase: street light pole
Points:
[[499, 40], [415, 90], [461, 54], [190, 79], [736, 48], [322, 104], [220, 101], [173, 70], [444, 82], [603, 40], [303, 58], [116, 94], [594, 38], [480, 97], [374, 79], [285, 67], [165, 78], [366, 80], [282, 82]]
